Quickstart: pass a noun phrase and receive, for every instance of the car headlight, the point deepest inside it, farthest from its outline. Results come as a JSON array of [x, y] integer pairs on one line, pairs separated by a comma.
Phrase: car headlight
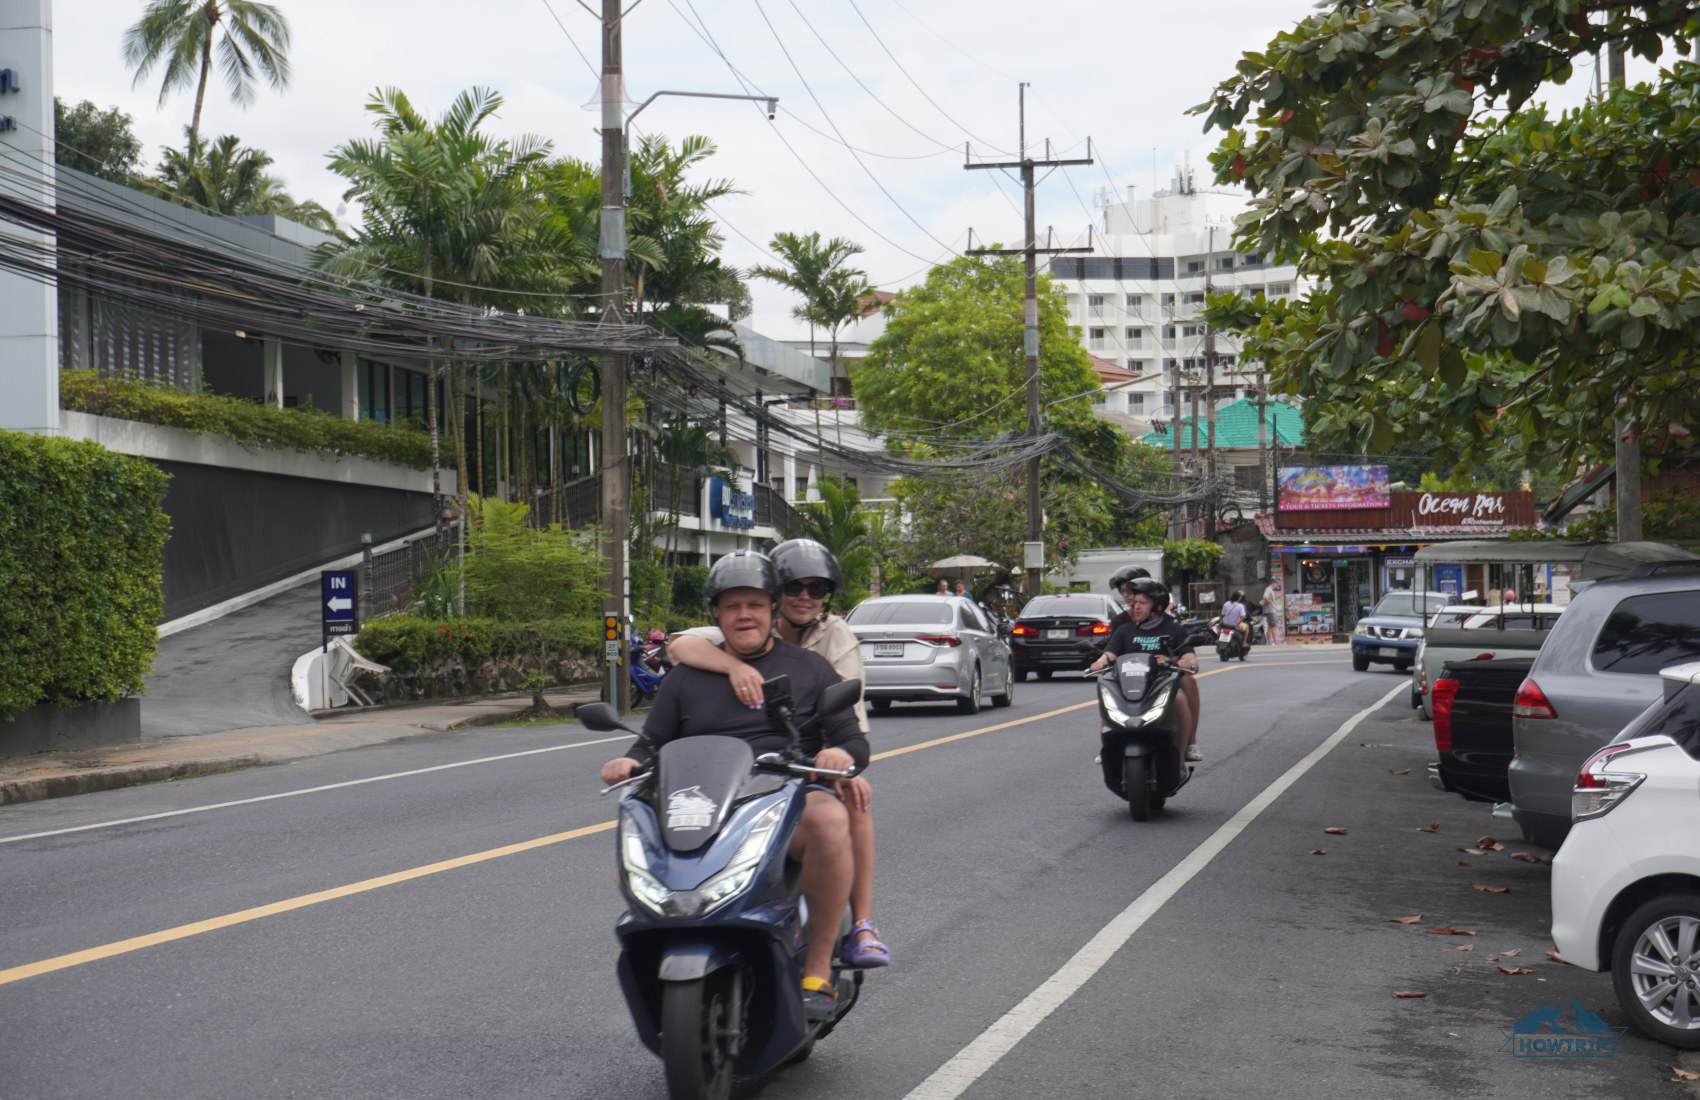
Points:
[[1363, 629], [687, 904], [1413, 632]]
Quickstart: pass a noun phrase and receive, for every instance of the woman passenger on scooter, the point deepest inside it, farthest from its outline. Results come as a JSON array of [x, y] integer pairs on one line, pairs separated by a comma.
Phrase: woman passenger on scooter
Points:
[[808, 576], [1149, 630], [1119, 581]]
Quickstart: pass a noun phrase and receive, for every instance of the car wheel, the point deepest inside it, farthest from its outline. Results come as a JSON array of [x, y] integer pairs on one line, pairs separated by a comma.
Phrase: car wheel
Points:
[[1401, 666], [970, 703], [1044, 674], [1360, 664], [1656, 969], [1008, 695], [879, 706]]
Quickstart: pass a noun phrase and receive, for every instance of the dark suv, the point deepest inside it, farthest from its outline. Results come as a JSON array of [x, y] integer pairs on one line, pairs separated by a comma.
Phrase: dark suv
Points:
[[1598, 669], [1391, 633], [1047, 636]]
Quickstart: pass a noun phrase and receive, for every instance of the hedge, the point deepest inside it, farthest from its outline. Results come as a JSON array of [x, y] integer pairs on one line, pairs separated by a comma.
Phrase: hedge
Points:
[[405, 641], [249, 423], [81, 533]]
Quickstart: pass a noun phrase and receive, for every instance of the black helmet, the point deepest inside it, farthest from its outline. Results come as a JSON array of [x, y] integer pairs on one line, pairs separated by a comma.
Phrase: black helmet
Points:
[[742, 569], [1123, 575], [795, 559], [1159, 594]]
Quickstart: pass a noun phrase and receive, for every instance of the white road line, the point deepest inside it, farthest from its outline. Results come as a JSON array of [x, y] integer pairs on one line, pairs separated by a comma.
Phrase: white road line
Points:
[[953, 1078], [307, 790]]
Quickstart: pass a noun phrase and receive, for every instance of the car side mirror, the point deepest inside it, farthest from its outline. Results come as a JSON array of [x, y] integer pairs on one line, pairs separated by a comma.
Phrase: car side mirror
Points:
[[601, 718], [1362, 611], [840, 697]]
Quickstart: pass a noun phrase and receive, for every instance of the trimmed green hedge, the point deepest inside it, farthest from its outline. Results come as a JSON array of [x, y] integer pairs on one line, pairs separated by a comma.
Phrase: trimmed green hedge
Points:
[[247, 422], [406, 641], [81, 533]]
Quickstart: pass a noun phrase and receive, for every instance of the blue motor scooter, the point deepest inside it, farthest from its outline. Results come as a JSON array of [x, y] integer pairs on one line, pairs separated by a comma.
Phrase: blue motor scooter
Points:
[[716, 928]]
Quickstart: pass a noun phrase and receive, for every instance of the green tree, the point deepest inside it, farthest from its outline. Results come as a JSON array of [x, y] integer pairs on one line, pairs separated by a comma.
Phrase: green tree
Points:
[[1492, 279], [225, 177], [181, 35], [815, 271], [101, 143], [838, 522]]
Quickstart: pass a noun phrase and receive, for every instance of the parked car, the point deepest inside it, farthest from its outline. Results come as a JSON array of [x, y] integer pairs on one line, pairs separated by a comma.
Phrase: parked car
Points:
[[1626, 883], [930, 648], [1472, 702], [1597, 670], [1461, 633], [1047, 636], [1389, 634]]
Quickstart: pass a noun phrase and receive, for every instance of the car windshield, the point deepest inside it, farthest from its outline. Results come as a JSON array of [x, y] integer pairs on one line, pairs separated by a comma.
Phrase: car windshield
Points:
[[875, 612], [1086, 606], [1408, 603]]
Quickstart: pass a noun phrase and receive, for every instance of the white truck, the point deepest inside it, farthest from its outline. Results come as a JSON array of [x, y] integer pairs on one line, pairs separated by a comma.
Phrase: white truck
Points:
[[1092, 571]]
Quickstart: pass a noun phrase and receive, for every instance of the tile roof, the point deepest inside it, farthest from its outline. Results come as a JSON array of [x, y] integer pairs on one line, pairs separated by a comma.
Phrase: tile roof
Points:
[[1236, 427]]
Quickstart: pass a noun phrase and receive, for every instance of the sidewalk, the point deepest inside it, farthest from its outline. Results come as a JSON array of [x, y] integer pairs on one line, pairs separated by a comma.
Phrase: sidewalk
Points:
[[56, 774]]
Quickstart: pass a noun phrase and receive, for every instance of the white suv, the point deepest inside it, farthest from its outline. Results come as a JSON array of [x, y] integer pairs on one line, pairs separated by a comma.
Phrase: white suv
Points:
[[1626, 883]]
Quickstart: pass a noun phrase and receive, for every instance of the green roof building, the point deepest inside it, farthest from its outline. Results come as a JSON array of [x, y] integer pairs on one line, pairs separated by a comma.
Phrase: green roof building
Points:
[[1236, 428]]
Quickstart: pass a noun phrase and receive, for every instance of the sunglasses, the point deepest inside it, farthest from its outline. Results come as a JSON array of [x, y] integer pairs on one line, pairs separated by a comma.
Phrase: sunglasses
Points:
[[817, 590]]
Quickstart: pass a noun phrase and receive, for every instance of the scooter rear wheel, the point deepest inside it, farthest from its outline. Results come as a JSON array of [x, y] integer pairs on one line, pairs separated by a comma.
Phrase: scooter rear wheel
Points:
[[1135, 787], [696, 1047]]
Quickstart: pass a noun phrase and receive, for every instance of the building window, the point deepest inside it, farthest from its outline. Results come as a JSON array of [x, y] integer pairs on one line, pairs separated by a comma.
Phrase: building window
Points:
[[1135, 301], [1280, 290], [1196, 298], [1095, 339], [1073, 301], [1254, 259], [1134, 335], [1096, 301], [1169, 366], [1193, 267], [1168, 332], [1168, 401], [1169, 301], [1136, 404], [1224, 263], [373, 383], [1192, 330]]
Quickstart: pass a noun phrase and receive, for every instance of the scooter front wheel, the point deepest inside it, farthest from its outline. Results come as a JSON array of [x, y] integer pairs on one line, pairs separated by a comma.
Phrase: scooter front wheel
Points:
[[697, 1025], [1136, 788]]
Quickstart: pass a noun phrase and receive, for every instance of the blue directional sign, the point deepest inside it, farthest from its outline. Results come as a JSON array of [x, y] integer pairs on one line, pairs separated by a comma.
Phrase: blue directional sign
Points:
[[339, 601]]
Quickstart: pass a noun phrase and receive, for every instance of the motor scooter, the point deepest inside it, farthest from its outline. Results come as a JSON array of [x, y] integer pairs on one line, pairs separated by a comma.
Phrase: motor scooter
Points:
[[716, 929], [1230, 643], [646, 668], [1141, 759]]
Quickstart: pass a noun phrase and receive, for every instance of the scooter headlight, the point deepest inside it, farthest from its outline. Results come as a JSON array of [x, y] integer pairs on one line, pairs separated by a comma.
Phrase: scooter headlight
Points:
[[730, 880], [1110, 695], [1158, 702]]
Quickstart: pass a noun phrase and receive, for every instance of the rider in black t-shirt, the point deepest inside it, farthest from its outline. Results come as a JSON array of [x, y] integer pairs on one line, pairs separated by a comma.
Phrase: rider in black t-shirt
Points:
[[1149, 630]]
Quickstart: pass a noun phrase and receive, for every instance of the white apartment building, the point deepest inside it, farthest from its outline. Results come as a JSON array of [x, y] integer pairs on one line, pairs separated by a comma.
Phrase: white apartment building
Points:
[[1138, 296]]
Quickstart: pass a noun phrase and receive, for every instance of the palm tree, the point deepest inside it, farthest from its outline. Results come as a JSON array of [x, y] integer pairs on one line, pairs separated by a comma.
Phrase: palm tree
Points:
[[225, 177], [837, 522], [179, 35], [809, 268], [844, 298]]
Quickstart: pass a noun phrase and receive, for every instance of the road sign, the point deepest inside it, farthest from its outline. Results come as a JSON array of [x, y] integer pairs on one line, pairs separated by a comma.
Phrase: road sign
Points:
[[611, 639], [339, 601]]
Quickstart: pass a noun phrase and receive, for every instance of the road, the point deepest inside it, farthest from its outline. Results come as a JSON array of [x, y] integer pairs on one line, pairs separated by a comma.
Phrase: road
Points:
[[432, 918]]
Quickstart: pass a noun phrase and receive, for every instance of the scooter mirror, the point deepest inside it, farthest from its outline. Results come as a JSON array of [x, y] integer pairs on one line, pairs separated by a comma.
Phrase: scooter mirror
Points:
[[601, 718], [840, 697]]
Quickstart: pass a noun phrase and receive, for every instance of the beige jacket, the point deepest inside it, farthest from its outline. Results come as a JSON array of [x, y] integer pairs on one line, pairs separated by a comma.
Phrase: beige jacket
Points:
[[832, 638]]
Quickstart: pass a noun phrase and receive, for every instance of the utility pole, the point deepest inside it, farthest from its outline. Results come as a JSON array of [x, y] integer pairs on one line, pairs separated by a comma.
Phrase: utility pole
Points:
[[1263, 453], [1624, 430], [616, 465], [1030, 338], [1208, 505]]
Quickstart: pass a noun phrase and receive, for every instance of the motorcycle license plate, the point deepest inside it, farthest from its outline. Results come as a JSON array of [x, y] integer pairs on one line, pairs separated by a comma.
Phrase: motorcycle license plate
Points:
[[1134, 666], [888, 649], [1389, 651], [1056, 633]]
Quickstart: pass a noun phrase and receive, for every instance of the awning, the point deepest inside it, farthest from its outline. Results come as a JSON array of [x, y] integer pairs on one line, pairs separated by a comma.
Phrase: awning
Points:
[[1597, 560]]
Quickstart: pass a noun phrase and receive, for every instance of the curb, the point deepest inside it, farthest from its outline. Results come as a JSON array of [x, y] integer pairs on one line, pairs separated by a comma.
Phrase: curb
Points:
[[107, 779]]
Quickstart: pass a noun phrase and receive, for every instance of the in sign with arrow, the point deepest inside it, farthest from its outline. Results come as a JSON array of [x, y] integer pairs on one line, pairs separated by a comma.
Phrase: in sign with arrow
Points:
[[339, 600]]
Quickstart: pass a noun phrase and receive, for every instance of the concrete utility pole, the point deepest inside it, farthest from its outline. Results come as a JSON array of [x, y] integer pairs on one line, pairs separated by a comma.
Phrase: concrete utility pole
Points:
[[1263, 455], [1208, 505], [616, 466], [1030, 337], [1625, 430]]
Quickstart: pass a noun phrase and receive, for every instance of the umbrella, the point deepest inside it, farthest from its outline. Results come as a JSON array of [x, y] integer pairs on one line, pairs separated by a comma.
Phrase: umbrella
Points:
[[961, 565]]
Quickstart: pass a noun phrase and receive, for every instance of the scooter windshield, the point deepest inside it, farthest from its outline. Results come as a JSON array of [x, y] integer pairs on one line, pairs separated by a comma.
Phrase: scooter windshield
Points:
[[1133, 670], [698, 779]]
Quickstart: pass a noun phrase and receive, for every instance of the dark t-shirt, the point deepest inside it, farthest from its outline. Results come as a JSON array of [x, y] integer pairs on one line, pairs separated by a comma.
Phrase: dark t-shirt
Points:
[[1158, 634], [692, 702]]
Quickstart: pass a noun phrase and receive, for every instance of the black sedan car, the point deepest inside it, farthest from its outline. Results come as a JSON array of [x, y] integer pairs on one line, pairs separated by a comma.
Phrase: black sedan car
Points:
[[1047, 636]]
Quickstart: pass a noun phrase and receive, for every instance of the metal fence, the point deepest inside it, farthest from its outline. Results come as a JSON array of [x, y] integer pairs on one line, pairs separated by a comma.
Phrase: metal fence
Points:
[[390, 577], [772, 510]]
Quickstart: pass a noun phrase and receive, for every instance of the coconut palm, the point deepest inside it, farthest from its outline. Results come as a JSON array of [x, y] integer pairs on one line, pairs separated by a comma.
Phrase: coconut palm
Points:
[[809, 268], [181, 35], [222, 176]]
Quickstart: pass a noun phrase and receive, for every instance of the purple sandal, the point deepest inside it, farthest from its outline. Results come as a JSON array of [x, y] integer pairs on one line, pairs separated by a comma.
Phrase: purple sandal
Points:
[[865, 954]]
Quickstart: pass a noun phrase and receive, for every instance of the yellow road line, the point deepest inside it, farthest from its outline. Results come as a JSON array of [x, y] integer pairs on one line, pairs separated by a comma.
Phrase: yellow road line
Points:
[[184, 931]]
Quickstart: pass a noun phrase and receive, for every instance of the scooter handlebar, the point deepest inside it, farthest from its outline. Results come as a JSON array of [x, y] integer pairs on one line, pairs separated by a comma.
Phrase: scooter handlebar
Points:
[[779, 761], [635, 777]]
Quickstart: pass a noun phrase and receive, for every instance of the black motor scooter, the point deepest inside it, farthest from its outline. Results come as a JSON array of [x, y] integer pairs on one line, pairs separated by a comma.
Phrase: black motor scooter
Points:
[[1137, 723], [716, 928]]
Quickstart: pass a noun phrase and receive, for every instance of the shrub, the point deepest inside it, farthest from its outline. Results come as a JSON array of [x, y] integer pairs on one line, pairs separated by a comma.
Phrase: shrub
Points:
[[406, 641], [246, 422], [81, 533], [515, 573], [690, 589]]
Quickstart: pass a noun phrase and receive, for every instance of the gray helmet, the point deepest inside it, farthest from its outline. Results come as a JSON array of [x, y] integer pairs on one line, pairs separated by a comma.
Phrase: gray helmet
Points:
[[1123, 575], [1158, 593], [795, 559], [742, 569]]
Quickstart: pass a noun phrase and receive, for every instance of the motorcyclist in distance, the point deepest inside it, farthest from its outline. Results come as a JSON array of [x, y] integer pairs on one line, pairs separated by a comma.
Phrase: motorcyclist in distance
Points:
[[1119, 582], [1149, 630]]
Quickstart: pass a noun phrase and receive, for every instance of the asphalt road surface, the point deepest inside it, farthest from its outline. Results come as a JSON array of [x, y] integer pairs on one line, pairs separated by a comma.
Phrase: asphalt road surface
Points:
[[432, 918]]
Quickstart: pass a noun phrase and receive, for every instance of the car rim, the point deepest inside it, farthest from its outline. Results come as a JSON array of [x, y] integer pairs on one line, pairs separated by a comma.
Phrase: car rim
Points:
[[1665, 970]]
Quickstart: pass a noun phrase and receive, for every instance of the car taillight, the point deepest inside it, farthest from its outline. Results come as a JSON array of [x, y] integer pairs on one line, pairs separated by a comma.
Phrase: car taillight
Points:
[[1442, 694], [940, 640], [1598, 790], [1530, 703], [1094, 628], [1022, 630]]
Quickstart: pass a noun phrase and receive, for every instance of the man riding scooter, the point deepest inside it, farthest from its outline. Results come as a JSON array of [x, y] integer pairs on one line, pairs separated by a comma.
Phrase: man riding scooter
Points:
[[1149, 630]]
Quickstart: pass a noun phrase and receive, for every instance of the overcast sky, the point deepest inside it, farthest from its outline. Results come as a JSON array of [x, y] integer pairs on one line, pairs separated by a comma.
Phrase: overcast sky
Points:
[[1123, 73]]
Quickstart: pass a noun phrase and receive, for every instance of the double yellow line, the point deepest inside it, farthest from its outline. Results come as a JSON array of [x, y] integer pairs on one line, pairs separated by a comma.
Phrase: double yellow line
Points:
[[229, 920]]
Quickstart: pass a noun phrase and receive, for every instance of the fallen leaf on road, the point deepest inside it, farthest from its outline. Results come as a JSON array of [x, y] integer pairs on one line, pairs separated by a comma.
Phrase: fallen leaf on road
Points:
[[1683, 1075], [1408, 993], [1527, 857], [1467, 947], [1403, 771], [1435, 828], [1490, 889], [1493, 958], [1463, 863], [1490, 844], [1514, 969], [1335, 830], [1513, 953], [1319, 851], [1405, 920], [1448, 930], [1472, 851]]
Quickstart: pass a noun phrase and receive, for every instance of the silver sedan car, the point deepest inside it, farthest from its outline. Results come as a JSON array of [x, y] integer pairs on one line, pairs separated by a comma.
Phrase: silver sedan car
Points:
[[917, 648]]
